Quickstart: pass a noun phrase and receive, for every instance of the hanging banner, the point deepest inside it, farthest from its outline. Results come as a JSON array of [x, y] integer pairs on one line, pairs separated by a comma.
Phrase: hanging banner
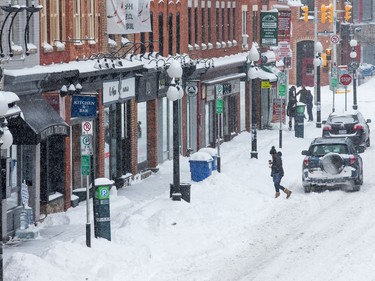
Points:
[[268, 28], [129, 16]]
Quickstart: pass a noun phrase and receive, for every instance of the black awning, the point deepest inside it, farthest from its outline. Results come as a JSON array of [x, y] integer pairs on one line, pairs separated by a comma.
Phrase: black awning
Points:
[[38, 120]]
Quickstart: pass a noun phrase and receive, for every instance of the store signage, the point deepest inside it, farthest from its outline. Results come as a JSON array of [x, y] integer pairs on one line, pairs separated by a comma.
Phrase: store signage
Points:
[[284, 25], [127, 88], [266, 85], [84, 106], [268, 28]]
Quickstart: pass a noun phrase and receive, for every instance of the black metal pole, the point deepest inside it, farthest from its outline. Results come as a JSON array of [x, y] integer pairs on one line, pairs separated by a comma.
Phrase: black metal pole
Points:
[[176, 192], [1, 237], [318, 112], [355, 106], [254, 153]]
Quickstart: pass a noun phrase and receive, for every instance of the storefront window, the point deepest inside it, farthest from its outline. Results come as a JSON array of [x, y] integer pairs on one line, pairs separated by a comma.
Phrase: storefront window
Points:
[[110, 141], [13, 200], [142, 132]]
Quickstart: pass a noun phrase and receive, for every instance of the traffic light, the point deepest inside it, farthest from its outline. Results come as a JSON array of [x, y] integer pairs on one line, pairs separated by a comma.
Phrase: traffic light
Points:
[[328, 54], [323, 56], [323, 13], [330, 12], [305, 13], [348, 13]]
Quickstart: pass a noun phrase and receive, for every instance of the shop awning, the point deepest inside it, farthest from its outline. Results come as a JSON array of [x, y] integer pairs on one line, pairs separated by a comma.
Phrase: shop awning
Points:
[[222, 79], [37, 121]]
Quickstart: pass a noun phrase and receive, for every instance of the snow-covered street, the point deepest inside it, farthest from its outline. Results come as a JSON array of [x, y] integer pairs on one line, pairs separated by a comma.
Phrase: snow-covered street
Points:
[[233, 229]]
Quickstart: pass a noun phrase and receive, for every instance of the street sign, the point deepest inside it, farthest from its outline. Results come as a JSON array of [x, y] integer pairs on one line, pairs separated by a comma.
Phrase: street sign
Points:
[[219, 92], [335, 39], [191, 90], [86, 145], [282, 90], [334, 82], [265, 85], [219, 106], [345, 79], [85, 165], [87, 128]]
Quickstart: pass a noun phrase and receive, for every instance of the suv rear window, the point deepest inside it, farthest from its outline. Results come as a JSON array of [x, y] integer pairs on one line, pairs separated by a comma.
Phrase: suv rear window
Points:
[[323, 149], [343, 119]]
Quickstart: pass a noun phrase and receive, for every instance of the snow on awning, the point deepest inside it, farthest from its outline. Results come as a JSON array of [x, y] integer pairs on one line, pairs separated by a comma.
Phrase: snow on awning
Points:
[[37, 121], [224, 78]]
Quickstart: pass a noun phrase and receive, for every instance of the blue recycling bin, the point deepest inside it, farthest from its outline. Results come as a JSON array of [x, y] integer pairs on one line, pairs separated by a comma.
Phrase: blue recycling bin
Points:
[[213, 153], [200, 166]]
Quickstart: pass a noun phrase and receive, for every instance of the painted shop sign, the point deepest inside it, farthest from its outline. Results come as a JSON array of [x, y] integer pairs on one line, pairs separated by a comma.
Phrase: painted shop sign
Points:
[[84, 106], [269, 28]]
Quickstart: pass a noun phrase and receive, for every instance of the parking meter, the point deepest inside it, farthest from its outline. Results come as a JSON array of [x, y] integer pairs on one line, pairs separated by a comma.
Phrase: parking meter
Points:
[[299, 120], [102, 217]]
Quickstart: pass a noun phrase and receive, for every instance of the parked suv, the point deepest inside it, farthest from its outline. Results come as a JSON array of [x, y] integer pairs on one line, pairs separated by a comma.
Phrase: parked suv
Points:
[[348, 124], [332, 163]]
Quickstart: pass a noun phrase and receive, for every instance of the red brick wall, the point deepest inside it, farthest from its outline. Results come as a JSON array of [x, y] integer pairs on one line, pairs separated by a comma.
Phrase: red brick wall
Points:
[[152, 133], [72, 51]]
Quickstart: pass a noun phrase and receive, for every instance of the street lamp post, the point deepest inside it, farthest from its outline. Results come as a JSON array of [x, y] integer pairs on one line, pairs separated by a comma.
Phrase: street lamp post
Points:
[[253, 57], [317, 62], [353, 55], [175, 93], [6, 140]]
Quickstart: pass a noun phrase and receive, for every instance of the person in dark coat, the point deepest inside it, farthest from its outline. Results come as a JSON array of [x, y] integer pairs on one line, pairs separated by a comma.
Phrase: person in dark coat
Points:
[[309, 105], [302, 94], [291, 107], [277, 172]]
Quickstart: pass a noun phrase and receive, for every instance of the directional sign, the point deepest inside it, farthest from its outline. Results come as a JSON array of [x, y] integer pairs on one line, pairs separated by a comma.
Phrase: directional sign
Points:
[[85, 165], [345, 79], [219, 106], [334, 82], [282, 90]]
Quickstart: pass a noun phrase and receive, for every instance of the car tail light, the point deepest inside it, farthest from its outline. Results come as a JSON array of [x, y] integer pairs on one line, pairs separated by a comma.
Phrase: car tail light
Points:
[[358, 127], [306, 161], [352, 159], [327, 128]]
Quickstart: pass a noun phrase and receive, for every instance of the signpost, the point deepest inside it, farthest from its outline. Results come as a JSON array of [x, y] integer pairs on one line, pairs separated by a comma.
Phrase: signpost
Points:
[[86, 152], [219, 111], [281, 86], [345, 79]]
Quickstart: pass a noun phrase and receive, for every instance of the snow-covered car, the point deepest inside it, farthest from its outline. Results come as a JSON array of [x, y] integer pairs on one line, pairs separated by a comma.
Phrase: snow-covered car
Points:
[[350, 124], [331, 163]]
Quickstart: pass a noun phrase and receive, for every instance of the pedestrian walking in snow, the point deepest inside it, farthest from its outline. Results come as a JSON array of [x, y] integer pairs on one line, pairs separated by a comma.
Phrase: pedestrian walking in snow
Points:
[[291, 107], [309, 105], [277, 172]]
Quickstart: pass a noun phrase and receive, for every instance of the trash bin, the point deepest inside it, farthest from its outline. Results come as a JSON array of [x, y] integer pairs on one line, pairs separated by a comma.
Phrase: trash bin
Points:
[[299, 120], [213, 153], [200, 166]]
